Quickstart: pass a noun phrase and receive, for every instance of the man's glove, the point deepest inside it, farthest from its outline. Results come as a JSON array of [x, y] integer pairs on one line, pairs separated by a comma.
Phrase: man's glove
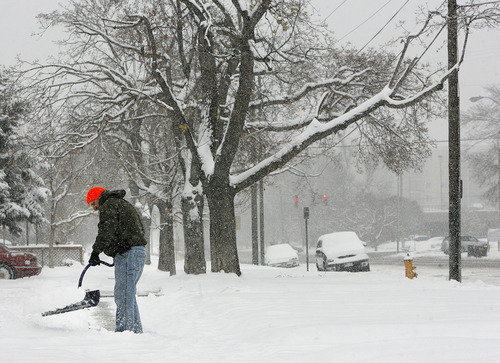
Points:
[[94, 259]]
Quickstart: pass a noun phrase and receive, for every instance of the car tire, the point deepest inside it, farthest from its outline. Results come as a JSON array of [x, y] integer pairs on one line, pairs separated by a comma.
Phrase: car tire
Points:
[[324, 263], [321, 266], [7, 271]]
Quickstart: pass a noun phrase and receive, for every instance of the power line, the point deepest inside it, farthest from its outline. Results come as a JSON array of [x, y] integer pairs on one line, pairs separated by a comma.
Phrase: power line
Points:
[[371, 16], [334, 10], [387, 23], [416, 142], [485, 3]]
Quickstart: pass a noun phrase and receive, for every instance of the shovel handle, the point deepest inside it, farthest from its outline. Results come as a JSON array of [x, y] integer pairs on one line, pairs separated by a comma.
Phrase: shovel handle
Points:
[[87, 267]]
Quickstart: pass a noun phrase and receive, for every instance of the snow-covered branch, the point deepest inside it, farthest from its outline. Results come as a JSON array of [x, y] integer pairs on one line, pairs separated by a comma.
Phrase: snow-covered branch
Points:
[[317, 130], [73, 217], [308, 88]]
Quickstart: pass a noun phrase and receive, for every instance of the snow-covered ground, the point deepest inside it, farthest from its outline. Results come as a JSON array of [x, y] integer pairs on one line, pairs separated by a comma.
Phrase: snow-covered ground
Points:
[[266, 315]]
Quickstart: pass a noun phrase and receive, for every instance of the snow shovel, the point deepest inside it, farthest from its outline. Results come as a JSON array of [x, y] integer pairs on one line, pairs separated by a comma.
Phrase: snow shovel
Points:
[[91, 297]]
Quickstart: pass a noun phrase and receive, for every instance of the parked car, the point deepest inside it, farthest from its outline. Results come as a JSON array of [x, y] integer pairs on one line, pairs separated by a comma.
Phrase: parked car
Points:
[[282, 255], [17, 264], [341, 251], [466, 241], [419, 237]]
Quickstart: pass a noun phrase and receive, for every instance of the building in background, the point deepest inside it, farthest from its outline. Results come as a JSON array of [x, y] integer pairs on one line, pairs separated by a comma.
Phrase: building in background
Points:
[[430, 189]]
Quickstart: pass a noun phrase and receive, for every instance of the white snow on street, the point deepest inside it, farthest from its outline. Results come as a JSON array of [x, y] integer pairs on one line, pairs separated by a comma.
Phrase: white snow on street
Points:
[[266, 315]]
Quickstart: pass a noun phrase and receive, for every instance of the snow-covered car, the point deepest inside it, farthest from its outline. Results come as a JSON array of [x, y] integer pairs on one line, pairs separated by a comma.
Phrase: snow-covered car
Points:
[[419, 237], [17, 264], [465, 242], [341, 251], [282, 255]]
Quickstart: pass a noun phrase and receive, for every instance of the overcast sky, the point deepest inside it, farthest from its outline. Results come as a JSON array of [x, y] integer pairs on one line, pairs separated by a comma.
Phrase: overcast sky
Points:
[[481, 66], [17, 24], [355, 21]]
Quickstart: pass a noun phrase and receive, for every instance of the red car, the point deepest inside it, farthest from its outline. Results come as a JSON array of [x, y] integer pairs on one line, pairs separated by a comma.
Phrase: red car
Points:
[[17, 264]]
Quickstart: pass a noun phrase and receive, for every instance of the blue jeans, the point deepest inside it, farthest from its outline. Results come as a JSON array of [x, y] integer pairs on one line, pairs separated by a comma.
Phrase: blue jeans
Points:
[[128, 270]]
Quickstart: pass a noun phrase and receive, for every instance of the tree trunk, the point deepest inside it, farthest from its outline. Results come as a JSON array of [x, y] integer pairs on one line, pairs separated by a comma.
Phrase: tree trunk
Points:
[[168, 232], [192, 213], [52, 237], [166, 260], [224, 252], [51, 244], [146, 222]]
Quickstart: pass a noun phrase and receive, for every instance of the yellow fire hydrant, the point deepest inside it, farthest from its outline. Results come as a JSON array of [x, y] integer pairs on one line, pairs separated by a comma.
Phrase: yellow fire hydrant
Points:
[[409, 267]]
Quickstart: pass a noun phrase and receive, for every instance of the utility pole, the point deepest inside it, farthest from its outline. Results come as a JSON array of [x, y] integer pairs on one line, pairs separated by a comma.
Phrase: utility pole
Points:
[[306, 218], [255, 226], [257, 211], [441, 204], [261, 222], [454, 219], [400, 196], [498, 160]]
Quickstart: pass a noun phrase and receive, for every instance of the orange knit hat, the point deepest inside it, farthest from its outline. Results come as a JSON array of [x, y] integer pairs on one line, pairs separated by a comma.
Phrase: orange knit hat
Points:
[[94, 194]]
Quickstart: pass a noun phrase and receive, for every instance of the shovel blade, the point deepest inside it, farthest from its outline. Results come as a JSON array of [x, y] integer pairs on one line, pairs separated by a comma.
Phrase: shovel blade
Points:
[[91, 299]]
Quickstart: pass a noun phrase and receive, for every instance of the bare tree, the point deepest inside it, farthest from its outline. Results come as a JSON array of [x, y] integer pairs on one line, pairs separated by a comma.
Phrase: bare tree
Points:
[[147, 152], [59, 177], [481, 123], [208, 65]]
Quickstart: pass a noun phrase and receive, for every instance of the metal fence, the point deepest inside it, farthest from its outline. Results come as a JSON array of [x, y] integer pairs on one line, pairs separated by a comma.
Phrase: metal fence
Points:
[[63, 254]]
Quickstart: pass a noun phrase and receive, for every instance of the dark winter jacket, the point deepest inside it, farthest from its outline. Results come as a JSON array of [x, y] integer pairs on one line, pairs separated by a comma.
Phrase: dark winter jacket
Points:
[[120, 225]]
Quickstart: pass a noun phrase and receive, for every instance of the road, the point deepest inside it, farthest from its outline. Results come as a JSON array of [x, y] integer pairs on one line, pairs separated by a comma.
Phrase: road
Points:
[[382, 258], [391, 259]]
